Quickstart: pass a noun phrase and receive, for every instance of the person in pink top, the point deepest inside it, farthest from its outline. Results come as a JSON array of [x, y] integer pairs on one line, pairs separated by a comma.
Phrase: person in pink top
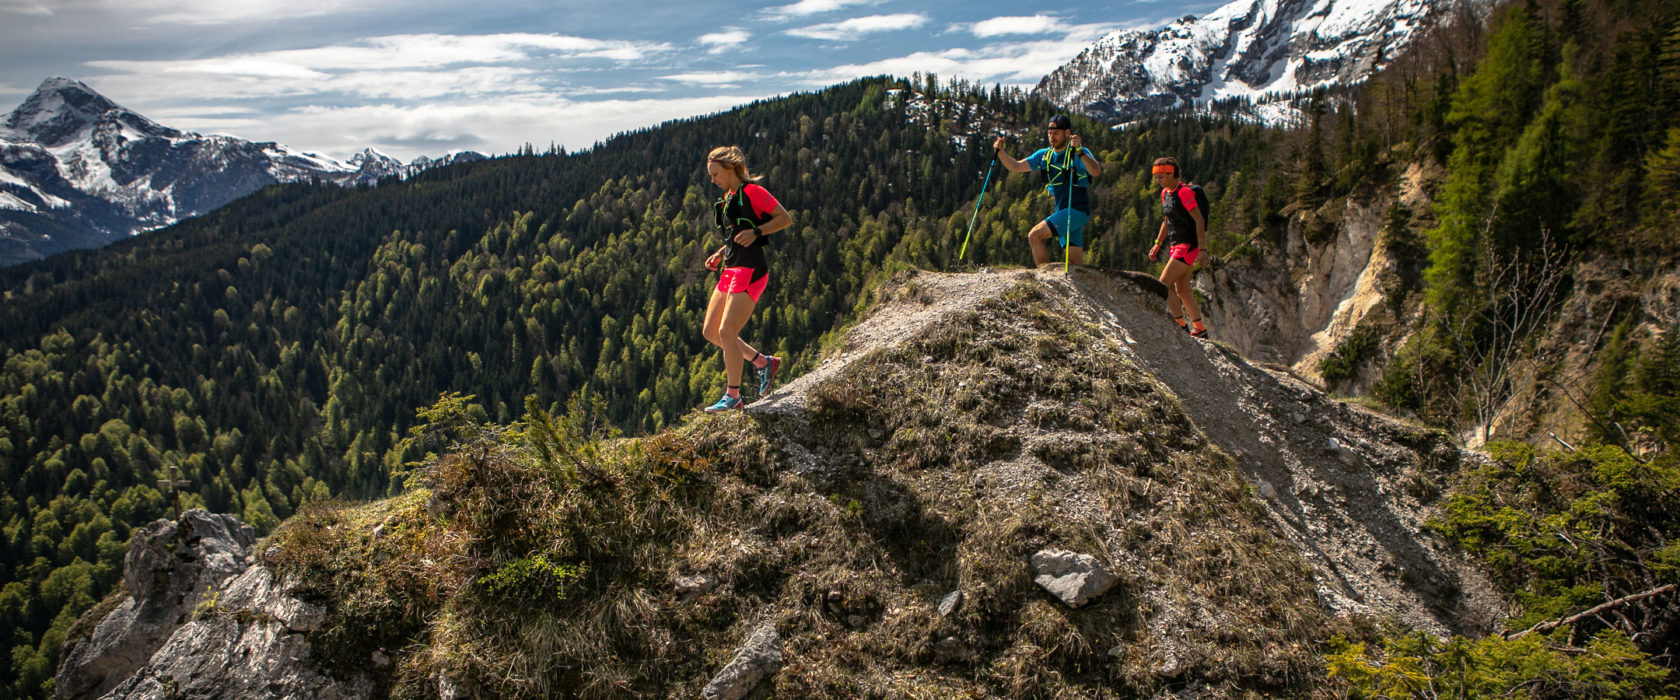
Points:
[[1184, 229], [745, 215]]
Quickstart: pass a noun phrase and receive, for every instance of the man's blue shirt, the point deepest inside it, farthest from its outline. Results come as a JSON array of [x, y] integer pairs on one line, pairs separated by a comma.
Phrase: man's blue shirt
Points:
[[1062, 169]]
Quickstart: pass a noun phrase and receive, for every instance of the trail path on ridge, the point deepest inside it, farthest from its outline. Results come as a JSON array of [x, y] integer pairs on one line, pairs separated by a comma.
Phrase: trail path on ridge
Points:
[[1354, 508]]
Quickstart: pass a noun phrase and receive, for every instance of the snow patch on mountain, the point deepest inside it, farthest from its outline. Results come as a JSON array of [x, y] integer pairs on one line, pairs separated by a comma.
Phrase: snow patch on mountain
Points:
[[1265, 52], [78, 170]]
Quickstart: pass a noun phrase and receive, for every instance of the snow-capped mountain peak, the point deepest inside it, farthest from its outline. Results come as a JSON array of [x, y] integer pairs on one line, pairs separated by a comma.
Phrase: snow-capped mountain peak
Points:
[[375, 157], [62, 110], [79, 171], [1261, 50]]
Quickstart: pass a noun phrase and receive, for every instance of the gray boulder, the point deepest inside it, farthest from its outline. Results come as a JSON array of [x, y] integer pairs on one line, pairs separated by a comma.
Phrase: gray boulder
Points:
[[759, 657], [250, 644], [1075, 579]]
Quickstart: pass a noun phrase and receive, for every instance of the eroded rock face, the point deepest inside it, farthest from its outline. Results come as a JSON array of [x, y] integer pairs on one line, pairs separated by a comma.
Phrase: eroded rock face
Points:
[[1293, 304], [170, 567], [200, 621], [250, 643]]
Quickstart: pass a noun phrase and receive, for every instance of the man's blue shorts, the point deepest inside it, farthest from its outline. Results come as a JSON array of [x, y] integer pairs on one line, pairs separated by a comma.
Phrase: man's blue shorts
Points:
[[1074, 221]]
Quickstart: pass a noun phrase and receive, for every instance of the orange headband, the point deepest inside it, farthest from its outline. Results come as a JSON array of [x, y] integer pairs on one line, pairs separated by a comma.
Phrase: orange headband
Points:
[[1164, 168]]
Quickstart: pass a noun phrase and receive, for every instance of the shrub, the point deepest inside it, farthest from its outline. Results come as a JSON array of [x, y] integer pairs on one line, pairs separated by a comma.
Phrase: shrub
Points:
[[1418, 665]]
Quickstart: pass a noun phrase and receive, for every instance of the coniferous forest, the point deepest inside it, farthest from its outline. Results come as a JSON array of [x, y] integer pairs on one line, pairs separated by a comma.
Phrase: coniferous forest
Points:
[[275, 352]]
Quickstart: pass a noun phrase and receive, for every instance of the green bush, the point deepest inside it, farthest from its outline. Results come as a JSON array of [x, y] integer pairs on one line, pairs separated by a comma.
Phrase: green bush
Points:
[[1417, 665], [1344, 362], [531, 578], [1560, 532]]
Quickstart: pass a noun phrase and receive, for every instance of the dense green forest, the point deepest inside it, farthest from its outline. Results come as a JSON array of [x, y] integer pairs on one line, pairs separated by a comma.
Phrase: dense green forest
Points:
[[275, 351]]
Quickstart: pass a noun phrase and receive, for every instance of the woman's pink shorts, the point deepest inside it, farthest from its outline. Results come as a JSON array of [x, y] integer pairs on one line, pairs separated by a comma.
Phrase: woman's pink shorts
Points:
[[735, 280]]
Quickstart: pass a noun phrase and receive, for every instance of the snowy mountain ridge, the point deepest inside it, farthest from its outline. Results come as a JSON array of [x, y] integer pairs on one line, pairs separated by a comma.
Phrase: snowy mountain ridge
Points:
[[80, 171], [1264, 51]]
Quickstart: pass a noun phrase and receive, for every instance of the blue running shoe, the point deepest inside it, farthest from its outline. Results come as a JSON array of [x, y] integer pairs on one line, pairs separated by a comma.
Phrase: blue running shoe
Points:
[[767, 374], [727, 403]]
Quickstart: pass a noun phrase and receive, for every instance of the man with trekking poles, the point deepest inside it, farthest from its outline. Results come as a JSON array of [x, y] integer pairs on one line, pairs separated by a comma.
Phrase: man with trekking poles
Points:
[[1067, 168]]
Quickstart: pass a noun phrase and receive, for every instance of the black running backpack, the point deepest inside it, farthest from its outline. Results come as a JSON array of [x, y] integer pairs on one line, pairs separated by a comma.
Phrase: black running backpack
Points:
[[1201, 202]]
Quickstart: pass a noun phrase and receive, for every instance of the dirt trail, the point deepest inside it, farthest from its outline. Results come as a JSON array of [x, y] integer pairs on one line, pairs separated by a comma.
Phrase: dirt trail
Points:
[[1345, 486]]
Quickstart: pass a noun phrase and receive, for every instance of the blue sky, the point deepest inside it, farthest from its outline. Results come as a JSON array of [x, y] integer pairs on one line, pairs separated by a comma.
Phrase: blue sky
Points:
[[414, 77]]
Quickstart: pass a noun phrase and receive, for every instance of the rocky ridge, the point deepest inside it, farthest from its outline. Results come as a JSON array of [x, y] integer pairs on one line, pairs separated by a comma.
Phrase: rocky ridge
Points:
[[1341, 482], [1212, 478]]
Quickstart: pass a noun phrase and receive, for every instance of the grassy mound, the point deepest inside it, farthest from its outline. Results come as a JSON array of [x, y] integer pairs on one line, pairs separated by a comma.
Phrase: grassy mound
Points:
[[544, 558]]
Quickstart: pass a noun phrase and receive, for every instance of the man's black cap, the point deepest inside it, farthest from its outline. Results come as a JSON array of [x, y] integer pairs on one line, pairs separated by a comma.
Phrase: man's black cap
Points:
[[1060, 121]]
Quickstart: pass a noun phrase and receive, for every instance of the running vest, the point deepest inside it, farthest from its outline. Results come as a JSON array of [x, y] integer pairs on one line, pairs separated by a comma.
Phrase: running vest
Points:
[[1181, 227], [733, 214], [1063, 170]]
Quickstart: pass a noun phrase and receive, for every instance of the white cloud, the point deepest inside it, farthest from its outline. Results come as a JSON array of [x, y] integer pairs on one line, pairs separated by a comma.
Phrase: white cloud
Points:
[[25, 7], [412, 67], [722, 77], [168, 86], [170, 115], [858, 26], [225, 11], [403, 51], [1019, 64], [425, 85], [722, 42], [1001, 26], [194, 12], [806, 8], [494, 126]]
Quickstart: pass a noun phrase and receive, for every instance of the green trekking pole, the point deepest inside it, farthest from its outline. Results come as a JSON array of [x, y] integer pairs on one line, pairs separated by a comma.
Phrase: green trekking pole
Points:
[[1067, 237], [976, 214]]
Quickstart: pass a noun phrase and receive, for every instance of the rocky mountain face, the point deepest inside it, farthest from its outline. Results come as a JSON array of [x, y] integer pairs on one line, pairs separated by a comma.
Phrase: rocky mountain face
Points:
[[80, 171], [197, 619], [1265, 51], [999, 484], [1293, 301]]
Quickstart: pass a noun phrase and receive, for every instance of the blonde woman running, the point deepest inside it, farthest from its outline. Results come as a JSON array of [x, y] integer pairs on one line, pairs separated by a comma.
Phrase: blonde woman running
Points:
[[745, 215]]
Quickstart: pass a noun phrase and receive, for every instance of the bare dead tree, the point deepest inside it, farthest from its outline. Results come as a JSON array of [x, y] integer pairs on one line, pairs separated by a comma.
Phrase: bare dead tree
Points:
[[1520, 293]]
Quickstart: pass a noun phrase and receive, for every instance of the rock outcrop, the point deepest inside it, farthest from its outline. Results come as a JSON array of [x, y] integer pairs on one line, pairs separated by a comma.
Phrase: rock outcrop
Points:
[[1292, 304], [171, 566], [1355, 513], [200, 621]]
